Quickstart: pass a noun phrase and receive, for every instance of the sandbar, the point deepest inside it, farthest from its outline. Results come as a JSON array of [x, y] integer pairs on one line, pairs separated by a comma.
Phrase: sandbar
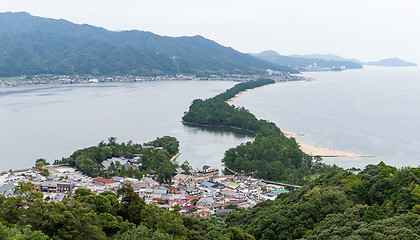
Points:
[[314, 150], [309, 149], [230, 101]]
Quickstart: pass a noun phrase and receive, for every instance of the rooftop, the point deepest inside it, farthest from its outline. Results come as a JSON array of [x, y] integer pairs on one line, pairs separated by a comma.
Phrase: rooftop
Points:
[[103, 180]]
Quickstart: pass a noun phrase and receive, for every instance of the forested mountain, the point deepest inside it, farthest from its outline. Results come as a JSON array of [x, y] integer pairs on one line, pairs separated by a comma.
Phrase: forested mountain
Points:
[[36, 45], [298, 62], [380, 202]]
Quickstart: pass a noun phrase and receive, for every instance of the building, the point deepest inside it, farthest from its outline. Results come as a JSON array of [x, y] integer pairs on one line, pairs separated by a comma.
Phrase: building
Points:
[[65, 187], [109, 184], [49, 186]]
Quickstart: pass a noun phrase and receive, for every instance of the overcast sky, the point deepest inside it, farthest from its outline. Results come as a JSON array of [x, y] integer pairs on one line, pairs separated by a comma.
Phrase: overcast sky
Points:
[[363, 29]]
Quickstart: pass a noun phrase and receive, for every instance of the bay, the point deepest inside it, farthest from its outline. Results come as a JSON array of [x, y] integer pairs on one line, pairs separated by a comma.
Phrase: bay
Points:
[[371, 111], [52, 121]]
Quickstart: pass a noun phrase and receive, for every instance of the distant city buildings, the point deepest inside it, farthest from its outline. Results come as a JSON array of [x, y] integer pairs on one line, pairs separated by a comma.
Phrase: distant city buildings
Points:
[[79, 79]]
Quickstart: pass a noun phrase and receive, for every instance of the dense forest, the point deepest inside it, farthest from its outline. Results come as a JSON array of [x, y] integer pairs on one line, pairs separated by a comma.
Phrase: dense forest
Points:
[[380, 202], [271, 155], [104, 216], [34, 45], [155, 155]]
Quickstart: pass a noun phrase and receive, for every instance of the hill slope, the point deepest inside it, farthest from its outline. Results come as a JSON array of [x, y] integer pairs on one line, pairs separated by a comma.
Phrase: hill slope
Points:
[[391, 62], [327, 57], [380, 202], [36, 45], [303, 62]]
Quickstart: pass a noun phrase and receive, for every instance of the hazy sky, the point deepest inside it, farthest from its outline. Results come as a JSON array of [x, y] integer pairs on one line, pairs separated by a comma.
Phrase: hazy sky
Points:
[[363, 29]]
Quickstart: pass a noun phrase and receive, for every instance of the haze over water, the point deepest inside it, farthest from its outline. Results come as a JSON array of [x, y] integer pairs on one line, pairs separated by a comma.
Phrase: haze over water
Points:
[[53, 121], [373, 111]]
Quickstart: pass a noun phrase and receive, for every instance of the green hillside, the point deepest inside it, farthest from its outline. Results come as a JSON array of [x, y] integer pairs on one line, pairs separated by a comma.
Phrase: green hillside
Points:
[[380, 202], [35, 45]]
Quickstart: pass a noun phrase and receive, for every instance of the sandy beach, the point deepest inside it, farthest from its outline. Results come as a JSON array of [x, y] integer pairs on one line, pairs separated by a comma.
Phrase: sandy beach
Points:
[[309, 149], [313, 150], [230, 101]]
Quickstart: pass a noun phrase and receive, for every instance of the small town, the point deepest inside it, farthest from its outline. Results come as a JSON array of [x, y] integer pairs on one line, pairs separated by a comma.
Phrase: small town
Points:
[[202, 192], [45, 79]]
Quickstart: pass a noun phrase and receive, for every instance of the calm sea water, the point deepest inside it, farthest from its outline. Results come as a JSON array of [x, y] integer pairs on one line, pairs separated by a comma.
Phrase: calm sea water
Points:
[[53, 121], [373, 111]]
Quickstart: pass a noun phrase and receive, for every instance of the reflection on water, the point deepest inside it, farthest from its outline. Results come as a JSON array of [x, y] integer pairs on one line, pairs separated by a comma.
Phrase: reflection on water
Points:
[[207, 145], [221, 131]]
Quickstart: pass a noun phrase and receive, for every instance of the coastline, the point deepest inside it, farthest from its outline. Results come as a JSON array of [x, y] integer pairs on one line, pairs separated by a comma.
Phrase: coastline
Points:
[[312, 150], [230, 101]]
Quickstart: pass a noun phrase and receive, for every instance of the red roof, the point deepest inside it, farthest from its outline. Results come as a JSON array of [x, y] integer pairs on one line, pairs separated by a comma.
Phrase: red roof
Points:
[[190, 198], [103, 180], [181, 202], [188, 207]]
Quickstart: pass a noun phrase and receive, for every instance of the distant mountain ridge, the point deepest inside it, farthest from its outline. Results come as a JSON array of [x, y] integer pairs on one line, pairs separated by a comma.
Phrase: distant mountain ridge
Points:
[[391, 62], [327, 57], [306, 63], [35, 45], [388, 62]]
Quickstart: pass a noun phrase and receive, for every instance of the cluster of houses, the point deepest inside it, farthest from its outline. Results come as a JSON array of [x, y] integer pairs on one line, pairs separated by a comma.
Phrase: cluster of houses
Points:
[[202, 192], [78, 79]]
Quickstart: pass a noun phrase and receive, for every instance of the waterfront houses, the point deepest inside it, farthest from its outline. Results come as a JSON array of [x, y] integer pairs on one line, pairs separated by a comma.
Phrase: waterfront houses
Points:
[[44, 79], [202, 193]]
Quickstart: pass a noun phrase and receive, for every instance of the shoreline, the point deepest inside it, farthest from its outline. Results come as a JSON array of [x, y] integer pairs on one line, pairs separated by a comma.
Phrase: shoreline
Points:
[[219, 126], [312, 150], [230, 101]]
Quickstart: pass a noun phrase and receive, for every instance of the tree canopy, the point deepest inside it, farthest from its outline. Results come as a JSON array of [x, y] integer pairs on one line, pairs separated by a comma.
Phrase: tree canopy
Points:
[[380, 202], [154, 155], [103, 216]]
